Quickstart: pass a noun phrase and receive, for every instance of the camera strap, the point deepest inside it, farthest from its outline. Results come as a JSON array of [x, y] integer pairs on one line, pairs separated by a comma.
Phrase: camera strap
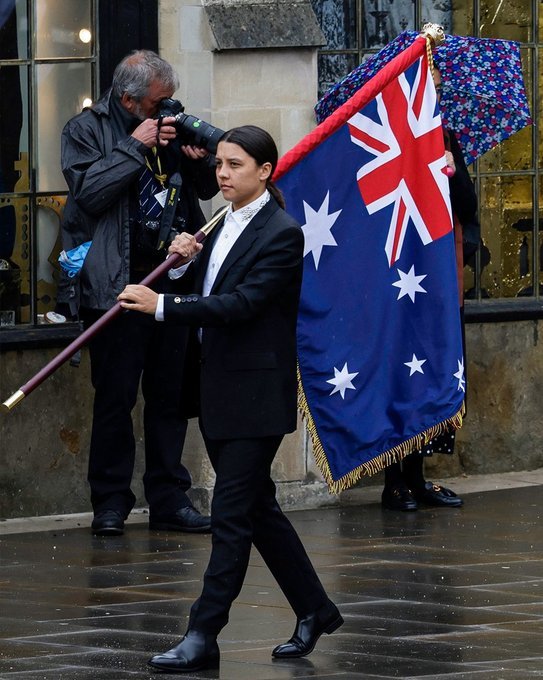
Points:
[[156, 168], [170, 207]]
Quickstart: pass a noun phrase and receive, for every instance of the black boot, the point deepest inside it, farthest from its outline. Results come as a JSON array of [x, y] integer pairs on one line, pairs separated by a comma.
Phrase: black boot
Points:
[[195, 652], [308, 630]]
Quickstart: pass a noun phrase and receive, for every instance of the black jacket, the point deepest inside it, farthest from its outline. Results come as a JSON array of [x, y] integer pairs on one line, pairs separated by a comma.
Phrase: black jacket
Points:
[[463, 198], [101, 166], [247, 376]]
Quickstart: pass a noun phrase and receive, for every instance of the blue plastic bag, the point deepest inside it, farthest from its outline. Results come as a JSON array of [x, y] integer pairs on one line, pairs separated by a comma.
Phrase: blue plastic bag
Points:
[[72, 260]]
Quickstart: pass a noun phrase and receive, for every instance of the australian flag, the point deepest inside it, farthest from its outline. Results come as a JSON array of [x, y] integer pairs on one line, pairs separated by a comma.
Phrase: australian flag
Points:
[[380, 356]]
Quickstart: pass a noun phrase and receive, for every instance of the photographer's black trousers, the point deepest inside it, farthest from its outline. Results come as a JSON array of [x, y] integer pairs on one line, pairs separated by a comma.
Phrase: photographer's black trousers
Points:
[[131, 348]]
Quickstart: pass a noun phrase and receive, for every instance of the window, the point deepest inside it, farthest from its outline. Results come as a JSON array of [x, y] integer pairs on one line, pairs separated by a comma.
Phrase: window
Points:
[[51, 66], [47, 75], [506, 276]]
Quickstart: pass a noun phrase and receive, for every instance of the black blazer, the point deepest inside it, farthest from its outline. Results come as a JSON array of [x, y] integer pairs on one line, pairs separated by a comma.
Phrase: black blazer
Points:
[[247, 375]]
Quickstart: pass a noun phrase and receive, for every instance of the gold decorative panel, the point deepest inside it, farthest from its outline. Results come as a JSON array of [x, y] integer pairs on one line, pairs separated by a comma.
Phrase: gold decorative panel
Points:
[[507, 230]]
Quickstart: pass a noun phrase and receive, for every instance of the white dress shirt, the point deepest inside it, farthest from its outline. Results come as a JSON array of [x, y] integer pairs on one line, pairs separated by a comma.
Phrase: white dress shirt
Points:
[[235, 222]]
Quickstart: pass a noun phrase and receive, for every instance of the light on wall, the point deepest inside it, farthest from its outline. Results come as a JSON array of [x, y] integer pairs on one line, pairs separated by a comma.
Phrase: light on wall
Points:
[[86, 102], [85, 35]]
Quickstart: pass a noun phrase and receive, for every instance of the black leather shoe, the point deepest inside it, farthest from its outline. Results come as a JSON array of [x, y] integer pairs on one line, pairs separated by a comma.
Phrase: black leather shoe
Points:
[[195, 652], [398, 497], [185, 519], [437, 495], [308, 630], [108, 523]]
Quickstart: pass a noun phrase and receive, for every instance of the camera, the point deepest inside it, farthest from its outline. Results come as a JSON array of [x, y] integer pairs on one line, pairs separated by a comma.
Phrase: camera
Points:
[[191, 130]]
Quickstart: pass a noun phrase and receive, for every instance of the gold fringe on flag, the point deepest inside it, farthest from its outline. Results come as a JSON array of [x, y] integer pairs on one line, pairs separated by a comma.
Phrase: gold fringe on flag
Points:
[[380, 462]]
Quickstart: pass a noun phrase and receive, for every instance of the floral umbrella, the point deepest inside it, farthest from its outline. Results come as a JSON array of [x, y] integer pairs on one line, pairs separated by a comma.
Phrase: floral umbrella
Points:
[[483, 98]]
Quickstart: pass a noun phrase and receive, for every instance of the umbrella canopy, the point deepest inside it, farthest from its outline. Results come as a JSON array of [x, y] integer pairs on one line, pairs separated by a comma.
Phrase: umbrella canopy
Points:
[[483, 98]]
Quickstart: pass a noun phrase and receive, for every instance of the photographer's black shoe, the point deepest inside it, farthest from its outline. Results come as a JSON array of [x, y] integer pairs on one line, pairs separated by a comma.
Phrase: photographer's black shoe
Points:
[[108, 523], [186, 519]]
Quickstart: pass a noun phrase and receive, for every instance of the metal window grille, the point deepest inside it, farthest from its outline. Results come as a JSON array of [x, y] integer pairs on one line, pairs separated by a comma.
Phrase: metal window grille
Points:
[[506, 277]]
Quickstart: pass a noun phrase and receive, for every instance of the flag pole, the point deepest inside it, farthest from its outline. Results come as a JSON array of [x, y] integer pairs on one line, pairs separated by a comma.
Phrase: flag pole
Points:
[[96, 327]]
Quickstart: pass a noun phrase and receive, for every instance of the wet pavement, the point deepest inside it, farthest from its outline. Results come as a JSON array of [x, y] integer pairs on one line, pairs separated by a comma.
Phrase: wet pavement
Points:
[[434, 594]]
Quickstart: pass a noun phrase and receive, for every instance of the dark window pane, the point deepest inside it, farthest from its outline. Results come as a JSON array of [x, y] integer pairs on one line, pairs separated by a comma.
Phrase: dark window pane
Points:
[[14, 261], [537, 114], [333, 67], [13, 30], [13, 130], [540, 226], [338, 22], [437, 12], [383, 21]]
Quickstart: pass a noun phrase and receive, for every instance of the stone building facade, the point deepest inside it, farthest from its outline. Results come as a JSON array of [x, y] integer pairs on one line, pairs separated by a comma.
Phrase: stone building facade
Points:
[[256, 62]]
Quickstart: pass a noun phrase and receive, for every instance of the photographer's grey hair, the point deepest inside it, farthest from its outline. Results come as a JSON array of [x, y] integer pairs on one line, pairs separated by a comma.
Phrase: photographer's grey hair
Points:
[[136, 71]]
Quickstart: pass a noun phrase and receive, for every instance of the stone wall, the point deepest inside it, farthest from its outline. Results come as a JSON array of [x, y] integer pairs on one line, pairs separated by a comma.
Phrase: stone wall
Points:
[[273, 87], [45, 438], [45, 442], [503, 430]]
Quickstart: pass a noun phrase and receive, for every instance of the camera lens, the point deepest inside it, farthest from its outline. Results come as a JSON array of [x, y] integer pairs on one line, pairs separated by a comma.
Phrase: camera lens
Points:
[[192, 130], [199, 133]]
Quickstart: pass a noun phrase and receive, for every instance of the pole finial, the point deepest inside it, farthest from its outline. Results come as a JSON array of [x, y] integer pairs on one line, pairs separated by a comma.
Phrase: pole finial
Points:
[[434, 32]]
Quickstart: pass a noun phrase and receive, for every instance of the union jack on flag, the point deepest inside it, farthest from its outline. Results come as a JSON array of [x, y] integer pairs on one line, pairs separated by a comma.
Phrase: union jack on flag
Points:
[[407, 169], [379, 340]]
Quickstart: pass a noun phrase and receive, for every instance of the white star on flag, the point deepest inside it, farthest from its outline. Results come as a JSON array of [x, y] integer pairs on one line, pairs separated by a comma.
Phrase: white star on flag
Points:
[[342, 381], [460, 375], [317, 229], [409, 284], [415, 365]]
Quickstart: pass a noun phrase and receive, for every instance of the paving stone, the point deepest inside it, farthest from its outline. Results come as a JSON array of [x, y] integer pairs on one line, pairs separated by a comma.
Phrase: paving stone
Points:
[[438, 594]]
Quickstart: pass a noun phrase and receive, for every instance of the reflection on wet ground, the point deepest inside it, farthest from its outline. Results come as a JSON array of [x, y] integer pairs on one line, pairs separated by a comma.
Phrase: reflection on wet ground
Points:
[[435, 594]]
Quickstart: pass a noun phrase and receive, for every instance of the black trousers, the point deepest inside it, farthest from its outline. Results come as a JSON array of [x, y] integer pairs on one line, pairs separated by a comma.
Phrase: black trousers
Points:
[[131, 348], [245, 512]]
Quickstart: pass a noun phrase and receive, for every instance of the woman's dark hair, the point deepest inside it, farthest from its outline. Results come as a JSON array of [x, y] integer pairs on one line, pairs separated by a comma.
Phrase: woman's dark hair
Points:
[[259, 145]]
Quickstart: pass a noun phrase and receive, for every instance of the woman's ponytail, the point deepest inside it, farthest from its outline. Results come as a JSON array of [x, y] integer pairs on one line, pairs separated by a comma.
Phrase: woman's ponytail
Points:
[[276, 192]]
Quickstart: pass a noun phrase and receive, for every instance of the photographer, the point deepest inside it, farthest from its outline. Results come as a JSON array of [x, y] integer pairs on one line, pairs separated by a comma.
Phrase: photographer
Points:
[[118, 158]]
